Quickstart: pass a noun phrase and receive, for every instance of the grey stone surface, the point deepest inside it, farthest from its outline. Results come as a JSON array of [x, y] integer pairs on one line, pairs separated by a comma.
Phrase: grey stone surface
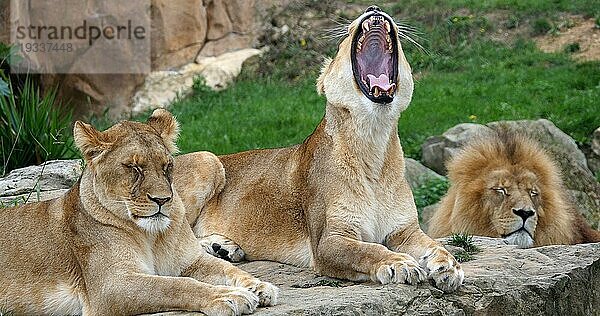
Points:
[[581, 182], [438, 149], [596, 141], [417, 174], [593, 157], [426, 215], [39, 183], [501, 280]]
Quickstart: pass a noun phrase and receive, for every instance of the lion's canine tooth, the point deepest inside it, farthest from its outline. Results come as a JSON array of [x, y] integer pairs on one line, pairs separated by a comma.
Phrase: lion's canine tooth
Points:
[[366, 26], [387, 26]]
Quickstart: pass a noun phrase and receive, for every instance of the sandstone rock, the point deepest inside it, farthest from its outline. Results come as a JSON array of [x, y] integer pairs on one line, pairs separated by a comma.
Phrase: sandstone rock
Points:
[[178, 32], [4, 21], [417, 174], [51, 180], [220, 71], [501, 280], [219, 24], [228, 43], [241, 14], [162, 88], [95, 93], [572, 163]]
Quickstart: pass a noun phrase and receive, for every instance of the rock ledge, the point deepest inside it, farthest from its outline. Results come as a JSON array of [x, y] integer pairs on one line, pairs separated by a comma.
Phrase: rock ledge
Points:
[[502, 280]]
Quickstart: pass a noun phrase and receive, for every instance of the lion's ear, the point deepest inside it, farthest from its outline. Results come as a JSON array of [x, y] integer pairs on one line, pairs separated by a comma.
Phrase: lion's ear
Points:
[[167, 127], [90, 141], [321, 80]]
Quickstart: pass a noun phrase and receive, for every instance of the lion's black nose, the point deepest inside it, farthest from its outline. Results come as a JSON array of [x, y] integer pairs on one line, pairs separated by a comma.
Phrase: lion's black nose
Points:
[[524, 214], [159, 200], [373, 8]]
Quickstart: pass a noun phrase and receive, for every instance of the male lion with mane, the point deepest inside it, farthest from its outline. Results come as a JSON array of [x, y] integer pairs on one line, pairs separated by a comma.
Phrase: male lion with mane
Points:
[[339, 202], [504, 185], [118, 242]]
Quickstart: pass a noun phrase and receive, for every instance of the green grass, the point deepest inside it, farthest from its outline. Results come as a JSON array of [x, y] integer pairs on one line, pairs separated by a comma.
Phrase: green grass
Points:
[[430, 193], [522, 7], [251, 114], [489, 82], [481, 83]]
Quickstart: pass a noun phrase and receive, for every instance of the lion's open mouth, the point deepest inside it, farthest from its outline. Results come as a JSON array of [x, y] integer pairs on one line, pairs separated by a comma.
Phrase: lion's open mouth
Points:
[[375, 58]]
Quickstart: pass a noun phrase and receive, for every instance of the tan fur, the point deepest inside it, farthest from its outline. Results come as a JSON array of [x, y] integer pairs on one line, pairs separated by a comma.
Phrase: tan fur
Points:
[[517, 164], [88, 253], [339, 202]]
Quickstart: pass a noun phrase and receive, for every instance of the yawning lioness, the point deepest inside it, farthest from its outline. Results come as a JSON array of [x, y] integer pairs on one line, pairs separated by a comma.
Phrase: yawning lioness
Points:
[[339, 202]]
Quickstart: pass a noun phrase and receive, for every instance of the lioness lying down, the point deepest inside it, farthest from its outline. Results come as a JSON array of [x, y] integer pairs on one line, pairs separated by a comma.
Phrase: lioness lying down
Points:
[[504, 185], [339, 202], [118, 242]]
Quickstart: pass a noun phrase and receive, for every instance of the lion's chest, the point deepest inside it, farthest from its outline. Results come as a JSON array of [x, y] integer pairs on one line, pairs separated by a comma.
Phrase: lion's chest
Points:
[[379, 211]]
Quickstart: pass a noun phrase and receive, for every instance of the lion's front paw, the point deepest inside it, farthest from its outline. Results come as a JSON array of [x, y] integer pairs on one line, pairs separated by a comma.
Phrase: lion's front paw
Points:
[[443, 269], [401, 269], [266, 292], [232, 301], [222, 247]]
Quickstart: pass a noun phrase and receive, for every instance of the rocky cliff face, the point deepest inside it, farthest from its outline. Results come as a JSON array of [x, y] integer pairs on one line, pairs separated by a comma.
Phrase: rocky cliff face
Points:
[[181, 31]]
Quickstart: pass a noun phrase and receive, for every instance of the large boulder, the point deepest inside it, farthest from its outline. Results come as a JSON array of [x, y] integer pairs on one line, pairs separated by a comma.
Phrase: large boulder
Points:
[[593, 156], [579, 180], [39, 183], [417, 174], [501, 280], [596, 141], [179, 29]]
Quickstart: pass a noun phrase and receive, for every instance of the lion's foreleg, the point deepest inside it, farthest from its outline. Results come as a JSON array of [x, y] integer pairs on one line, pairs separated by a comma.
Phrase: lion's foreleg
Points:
[[130, 293], [345, 257], [220, 272], [433, 257]]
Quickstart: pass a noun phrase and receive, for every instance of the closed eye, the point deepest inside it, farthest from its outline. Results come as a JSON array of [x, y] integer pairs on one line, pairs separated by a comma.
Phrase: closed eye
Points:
[[500, 190], [168, 170]]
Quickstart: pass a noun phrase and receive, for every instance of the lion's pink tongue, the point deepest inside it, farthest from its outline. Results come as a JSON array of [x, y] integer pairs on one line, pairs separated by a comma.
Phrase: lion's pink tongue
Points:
[[382, 82]]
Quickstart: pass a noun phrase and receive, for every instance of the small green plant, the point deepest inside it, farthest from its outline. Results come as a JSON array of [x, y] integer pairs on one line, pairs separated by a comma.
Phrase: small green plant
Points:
[[200, 87], [464, 241], [33, 127], [597, 22], [512, 22], [463, 256], [541, 26]]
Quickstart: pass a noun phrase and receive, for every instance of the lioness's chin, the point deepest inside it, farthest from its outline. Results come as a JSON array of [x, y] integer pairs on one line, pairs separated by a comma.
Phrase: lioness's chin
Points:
[[521, 239], [155, 224]]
